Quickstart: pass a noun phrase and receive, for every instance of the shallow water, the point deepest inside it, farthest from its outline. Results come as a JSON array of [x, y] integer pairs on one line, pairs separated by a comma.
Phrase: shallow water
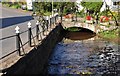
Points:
[[92, 56]]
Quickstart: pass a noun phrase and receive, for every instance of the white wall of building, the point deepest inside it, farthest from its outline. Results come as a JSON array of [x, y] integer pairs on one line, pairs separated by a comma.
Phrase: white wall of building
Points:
[[110, 4], [29, 4], [79, 6]]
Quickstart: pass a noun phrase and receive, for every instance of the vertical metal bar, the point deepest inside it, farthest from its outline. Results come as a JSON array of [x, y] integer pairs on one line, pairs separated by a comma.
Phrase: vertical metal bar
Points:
[[50, 23], [29, 36], [55, 18], [61, 18], [18, 43], [76, 16], [37, 32], [43, 29], [47, 22], [40, 36]]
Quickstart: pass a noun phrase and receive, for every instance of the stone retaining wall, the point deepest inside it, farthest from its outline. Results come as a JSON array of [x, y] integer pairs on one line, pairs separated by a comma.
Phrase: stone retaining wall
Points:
[[36, 60]]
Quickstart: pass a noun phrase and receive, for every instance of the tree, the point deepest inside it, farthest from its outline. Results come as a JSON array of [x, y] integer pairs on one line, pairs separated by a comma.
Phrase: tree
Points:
[[63, 7], [92, 7], [47, 6], [108, 9]]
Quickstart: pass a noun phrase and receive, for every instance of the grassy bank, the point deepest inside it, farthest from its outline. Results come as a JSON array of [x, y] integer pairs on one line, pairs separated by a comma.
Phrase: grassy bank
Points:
[[112, 35], [12, 5]]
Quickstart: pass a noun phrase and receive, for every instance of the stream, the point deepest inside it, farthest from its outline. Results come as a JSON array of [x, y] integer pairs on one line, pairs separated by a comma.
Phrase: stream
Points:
[[84, 53]]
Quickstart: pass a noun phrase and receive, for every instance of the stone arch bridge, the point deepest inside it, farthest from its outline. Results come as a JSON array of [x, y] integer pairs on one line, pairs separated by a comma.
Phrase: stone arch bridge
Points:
[[91, 27]]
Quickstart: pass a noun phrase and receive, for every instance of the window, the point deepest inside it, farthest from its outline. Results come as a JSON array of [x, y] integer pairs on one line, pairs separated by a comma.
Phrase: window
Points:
[[114, 3]]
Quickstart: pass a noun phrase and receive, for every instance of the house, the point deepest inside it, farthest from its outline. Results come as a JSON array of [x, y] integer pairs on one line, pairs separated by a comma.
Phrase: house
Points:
[[113, 5], [28, 5], [79, 6]]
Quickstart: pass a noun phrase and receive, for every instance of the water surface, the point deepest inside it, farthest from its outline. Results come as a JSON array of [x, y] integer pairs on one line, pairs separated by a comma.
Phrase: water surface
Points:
[[91, 56]]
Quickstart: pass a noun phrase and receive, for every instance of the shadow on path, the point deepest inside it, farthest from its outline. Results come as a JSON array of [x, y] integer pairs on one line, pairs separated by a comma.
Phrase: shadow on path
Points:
[[14, 20]]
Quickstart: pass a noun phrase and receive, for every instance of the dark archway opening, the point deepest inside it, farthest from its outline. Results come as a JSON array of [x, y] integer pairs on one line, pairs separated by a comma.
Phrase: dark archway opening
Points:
[[79, 33]]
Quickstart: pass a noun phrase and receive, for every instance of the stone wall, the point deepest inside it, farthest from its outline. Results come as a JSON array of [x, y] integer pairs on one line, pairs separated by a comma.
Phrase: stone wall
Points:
[[36, 60]]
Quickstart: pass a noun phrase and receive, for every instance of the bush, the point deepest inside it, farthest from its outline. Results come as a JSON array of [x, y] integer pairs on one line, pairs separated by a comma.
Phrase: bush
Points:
[[47, 13], [110, 34], [81, 13], [73, 29], [16, 6], [12, 5]]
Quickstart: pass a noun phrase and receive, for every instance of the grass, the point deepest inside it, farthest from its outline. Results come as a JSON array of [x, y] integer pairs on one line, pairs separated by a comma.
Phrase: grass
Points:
[[15, 6], [47, 13], [11, 5], [73, 29], [108, 34], [112, 35]]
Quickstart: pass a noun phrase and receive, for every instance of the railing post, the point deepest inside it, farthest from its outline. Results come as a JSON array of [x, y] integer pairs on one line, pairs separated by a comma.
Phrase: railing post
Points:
[[29, 33], [61, 17], [76, 16], [17, 40], [55, 18], [47, 22], [37, 30], [43, 29], [51, 21]]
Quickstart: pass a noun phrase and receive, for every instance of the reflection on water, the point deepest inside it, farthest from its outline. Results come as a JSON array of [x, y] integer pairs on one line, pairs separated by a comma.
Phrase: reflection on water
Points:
[[91, 57]]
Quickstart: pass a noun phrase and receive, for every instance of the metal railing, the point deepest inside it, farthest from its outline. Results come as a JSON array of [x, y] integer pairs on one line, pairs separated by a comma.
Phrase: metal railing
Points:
[[19, 43]]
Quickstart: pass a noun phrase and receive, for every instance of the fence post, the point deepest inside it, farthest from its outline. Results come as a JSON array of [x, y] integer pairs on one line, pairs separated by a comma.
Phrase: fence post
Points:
[[29, 33], [17, 39], [50, 22], [37, 30], [47, 18], [76, 16], [55, 18], [61, 17]]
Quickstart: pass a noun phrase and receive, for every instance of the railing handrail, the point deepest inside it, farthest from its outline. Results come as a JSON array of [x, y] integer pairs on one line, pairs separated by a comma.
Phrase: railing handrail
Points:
[[7, 37], [25, 42]]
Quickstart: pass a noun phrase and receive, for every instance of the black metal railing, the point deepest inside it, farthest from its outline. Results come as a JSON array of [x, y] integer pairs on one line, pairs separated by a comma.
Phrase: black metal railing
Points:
[[19, 43]]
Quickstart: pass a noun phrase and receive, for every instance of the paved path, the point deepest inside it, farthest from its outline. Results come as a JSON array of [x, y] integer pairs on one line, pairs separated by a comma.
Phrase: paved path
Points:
[[10, 19]]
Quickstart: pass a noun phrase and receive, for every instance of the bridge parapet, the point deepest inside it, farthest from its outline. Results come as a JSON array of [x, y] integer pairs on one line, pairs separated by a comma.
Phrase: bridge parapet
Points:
[[93, 27]]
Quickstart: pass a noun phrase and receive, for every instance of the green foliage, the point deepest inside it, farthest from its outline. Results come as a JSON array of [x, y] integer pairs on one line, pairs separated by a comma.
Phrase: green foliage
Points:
[[13, 5], [94, 6], [62, 7], [47, 13], [8, 4], [81, 14], [16, 6], [110, 34], [74, 29]]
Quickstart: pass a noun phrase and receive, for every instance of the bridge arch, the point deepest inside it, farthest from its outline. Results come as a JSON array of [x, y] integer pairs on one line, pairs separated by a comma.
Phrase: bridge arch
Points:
[[86, 26], [79, 33]]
